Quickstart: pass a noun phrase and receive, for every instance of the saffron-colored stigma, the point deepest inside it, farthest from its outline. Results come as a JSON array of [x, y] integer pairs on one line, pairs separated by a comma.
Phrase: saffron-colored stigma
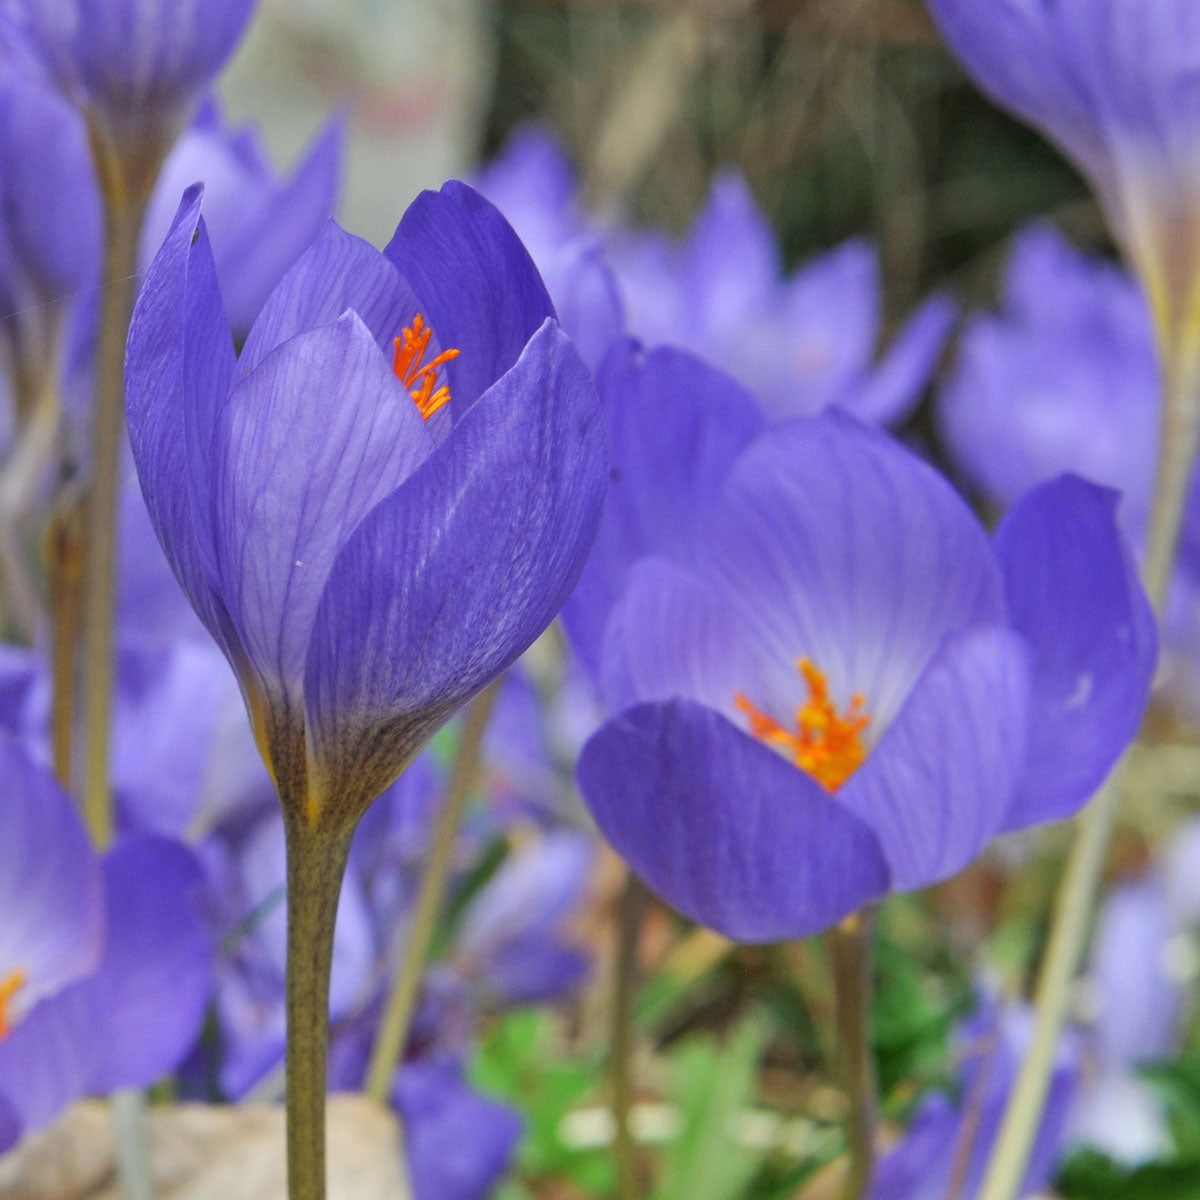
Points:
[[9, 986], [827, 744], [420, 377]]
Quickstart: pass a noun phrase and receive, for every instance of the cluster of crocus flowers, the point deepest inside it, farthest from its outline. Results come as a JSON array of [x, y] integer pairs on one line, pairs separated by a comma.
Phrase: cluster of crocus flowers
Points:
[[845, 687]]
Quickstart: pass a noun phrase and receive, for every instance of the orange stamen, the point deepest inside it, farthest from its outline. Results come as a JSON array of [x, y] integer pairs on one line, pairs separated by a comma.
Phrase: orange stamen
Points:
[[418, 376], [9, 986], [827, 744]]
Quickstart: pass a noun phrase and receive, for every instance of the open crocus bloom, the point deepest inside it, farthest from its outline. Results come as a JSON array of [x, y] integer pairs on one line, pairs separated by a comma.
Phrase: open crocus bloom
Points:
[[852, 689], [384, 499]]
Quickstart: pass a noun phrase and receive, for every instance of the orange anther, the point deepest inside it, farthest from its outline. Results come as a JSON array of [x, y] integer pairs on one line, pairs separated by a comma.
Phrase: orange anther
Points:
[[10, 984], [827, 744], [418, 376]]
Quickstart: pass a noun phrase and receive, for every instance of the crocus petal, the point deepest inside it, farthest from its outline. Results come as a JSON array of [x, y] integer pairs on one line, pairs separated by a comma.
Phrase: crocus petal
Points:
[[937, 786], [836, 543], [889, 393], [494, 526], [1073, 592], [725, 829], [459, 254], [45, 1060], [50, 888], [675, 425], [289, 216], [178, 366], [151, 990], [457, 1142], [671, 635], [316, 437], [1139, 1005], [337, 272]]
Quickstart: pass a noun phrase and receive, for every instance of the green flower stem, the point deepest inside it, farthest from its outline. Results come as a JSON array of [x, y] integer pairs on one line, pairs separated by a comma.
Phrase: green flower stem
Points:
[[126, 174], [316, 862], [633, 908], [1085, 866], [393, 1031], [849, 945]]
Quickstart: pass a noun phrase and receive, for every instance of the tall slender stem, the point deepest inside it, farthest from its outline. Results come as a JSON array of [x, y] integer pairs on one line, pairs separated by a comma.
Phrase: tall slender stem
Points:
[[850, 962], [126, 175], [633, 908], [1076, 897], [397, 1017], [316, 862], [64, 547]]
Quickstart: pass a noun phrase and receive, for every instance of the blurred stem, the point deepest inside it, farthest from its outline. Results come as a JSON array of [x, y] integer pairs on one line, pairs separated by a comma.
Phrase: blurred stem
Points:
[[397, 1018], [849, 946], [132, 1149], [316, 862], [126, 174], [625, 983], [1081, 881], [39, 412], [65, 551]]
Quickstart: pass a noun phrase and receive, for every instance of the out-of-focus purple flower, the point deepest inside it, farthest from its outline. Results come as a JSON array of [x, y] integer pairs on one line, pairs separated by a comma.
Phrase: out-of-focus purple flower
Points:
[[950, 1141], [49, 234], [801, 343], [140, 66], [457, 1142], [259, 222], [512, 938], [105, 966], [1063, 378], [1116, 86], [927, 689], [1138, 1007], [298, 468]]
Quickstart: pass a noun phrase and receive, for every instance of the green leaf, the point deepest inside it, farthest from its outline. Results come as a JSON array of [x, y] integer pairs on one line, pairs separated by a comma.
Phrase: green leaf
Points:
[[712, 1085]]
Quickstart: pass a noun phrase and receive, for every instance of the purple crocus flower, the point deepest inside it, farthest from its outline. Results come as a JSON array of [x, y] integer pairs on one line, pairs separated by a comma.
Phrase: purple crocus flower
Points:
[[105, 966], [850, 689], [139, 65], [1116, 86], [800, 343], [259, 222], [299, 467], [1136, 1021], [950, 1141], [1063, 378]]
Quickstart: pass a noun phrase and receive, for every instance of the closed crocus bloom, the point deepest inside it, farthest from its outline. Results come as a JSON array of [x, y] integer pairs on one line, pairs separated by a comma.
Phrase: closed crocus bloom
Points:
[[141, 66], [384, 499], [853, 689], [1116, 85]]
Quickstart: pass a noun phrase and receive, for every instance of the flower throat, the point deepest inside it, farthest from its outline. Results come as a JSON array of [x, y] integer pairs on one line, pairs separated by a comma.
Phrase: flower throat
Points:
[[826, 744]]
